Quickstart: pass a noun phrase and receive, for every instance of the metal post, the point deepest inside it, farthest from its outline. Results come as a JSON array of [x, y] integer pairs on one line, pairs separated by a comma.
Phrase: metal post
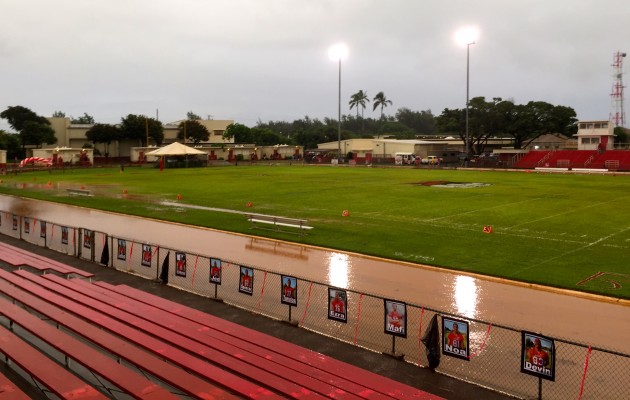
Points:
[[467, 97], [339, 117], [467, 94]]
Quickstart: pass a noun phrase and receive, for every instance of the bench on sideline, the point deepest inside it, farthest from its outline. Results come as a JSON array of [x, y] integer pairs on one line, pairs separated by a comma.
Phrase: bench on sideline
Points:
[[278, 222], [10, 391], [79, 192], [116, 337], [19, 257]]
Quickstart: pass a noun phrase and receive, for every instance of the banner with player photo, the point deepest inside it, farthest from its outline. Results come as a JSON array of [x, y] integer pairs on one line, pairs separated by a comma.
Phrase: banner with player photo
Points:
[[216, 270], [180, 264], [337, 305], [455, 338], [146, 255], [64, 235], [395, 318], [246, 281], [15, 222], [27, 225], [538, 356], [87, 238], [121, 253], [42, 229], [289, 292]]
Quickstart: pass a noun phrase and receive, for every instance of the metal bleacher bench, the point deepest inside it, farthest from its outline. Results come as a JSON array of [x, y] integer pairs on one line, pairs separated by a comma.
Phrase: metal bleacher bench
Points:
[[79, 192], [278, 222]]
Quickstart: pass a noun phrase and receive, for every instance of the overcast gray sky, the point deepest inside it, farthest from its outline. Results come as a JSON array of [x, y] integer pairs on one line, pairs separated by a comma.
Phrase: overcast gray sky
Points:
[[268, 59]]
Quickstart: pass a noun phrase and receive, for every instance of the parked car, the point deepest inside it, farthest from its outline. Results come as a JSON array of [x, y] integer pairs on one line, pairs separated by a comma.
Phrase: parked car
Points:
[[431, 160]]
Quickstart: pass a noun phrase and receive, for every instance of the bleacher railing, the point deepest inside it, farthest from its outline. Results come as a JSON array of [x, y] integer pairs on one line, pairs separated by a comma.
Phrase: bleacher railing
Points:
[[494, 351]]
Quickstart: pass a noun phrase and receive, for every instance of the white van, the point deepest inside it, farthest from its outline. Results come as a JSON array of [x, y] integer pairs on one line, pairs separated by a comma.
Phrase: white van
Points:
[[404, 158]]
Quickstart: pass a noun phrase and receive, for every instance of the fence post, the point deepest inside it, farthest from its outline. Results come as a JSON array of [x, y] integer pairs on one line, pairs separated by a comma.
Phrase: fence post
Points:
[[157, 265], [111, 251], [79, 246], [92, 245]]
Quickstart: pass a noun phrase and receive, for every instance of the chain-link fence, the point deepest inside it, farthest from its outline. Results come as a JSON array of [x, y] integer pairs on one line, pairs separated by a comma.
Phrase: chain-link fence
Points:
[[494, 355]]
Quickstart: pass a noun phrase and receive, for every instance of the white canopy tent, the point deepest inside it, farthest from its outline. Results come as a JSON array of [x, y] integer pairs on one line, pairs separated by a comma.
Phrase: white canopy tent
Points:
[[175, 149]]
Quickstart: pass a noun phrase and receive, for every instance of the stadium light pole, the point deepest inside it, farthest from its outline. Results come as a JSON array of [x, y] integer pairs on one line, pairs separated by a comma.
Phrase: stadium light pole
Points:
[[467, 37], [338, 52]]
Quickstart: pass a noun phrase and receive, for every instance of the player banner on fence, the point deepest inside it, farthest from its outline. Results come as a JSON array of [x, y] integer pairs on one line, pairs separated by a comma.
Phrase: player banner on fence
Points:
[[288, 293], [455, 338], [216, 269], [395, 318], [246, 281], [27, 225], [122, 250], [146, 255], [538, 356], [42, 229], [180, 264], [337, 305], [64, 235], [87, 238]]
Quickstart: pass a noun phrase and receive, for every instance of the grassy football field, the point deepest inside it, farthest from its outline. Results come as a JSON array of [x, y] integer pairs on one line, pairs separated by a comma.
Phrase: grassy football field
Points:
[[565, 230]]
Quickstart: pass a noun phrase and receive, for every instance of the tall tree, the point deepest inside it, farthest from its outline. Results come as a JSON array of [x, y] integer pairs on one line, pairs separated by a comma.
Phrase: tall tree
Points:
[[58, 114], [380, 101], [17, 116], [359, 100], [266, 137], [621, 135], [239, 132], [524, 123], [537, 118], [11, 143], [193, 131], [191, 116], [135, 127], [104, 133], [32, 128], [422, 122], [37, 133], [86, 119]]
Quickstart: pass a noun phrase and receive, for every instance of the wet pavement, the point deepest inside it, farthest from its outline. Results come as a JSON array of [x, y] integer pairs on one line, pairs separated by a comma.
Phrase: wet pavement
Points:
[[384, 365]]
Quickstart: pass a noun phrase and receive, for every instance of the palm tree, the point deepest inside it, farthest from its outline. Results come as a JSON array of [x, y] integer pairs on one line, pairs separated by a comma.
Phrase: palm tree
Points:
[[382, 101], [359, 99]]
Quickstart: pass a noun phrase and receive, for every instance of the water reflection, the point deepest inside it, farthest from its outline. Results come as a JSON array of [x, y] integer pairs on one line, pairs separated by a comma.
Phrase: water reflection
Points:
[[465, 296], [277, 248], [338, 265]]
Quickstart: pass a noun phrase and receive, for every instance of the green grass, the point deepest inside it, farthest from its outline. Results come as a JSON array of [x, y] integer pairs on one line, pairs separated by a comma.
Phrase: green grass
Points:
[[554, 229]]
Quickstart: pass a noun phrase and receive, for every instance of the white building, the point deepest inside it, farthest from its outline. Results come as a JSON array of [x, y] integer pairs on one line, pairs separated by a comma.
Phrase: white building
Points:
[[595, 135]]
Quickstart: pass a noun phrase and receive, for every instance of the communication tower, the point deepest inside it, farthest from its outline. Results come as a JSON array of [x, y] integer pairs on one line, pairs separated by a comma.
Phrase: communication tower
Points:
[[617, 114]]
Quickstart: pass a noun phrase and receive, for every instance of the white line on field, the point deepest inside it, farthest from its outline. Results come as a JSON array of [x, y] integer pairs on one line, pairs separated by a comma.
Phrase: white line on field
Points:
[[572, 210], [573, 251], [483, 209]]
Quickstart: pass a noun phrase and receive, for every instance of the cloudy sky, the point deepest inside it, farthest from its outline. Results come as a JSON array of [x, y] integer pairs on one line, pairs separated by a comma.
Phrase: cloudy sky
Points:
[[251, 60]]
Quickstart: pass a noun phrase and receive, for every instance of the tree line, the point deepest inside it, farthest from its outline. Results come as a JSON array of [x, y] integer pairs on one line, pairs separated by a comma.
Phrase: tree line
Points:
[[34, 130], [486, 119]]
